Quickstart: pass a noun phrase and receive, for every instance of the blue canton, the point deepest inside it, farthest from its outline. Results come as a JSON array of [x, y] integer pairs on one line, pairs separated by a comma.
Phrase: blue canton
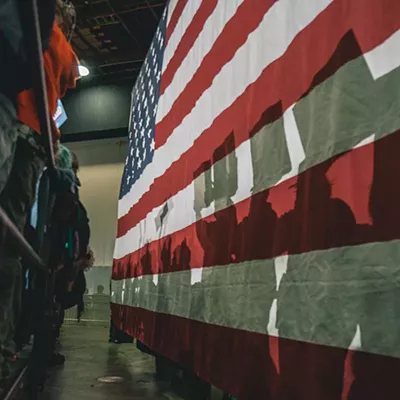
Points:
[[142, 122]]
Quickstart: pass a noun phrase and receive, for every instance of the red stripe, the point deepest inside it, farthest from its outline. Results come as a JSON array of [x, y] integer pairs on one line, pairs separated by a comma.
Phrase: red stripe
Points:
[[248, 16], [187, 41], [176, 15], [253, 366], [298, 70], [353, 197]]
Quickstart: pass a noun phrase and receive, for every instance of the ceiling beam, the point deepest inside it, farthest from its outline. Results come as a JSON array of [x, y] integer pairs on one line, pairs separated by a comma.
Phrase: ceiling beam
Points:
[[127, 30]]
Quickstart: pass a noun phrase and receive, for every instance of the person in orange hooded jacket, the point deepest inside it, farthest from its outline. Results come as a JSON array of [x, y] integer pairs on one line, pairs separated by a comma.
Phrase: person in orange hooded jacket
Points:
[[61, 69]]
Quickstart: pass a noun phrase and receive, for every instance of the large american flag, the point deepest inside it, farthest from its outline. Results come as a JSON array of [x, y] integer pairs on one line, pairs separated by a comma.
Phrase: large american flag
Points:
[[259, 219]]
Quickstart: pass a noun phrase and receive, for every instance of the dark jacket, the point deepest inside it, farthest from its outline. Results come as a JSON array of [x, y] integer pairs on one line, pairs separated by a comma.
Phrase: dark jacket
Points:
[[76, 247]]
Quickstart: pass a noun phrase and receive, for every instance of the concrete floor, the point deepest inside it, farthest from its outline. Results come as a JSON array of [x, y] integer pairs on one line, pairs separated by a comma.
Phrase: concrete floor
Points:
[[90, 356]]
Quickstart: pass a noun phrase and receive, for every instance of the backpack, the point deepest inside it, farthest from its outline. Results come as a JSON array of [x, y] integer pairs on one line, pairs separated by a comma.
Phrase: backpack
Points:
[[81, 238], [78, 235], [83, 229]]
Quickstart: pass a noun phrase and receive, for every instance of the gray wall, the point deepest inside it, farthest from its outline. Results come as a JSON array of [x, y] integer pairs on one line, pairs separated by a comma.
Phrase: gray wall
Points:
[[102, 163], [97, 108]]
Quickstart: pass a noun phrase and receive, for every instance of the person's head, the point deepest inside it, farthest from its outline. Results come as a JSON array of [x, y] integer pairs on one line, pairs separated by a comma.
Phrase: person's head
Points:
[[56, 148], [100, 289], [64, 158], [66, 17], [86, 262]]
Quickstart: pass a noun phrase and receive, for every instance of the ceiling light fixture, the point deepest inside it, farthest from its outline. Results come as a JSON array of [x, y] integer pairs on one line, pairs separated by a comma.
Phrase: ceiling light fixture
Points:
[[83, 71]]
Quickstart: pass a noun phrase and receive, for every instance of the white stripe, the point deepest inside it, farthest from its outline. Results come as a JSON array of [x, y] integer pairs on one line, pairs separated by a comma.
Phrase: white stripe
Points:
[[293, 140], [279, 27], [356, 343], [324, 297], [384, 58], [214, 26], [184, 22], [366, 141], [171, 7], [180, 215]]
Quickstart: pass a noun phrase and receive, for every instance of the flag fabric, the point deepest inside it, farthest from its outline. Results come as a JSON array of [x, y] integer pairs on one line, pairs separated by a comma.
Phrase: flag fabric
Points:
[[258, 234]]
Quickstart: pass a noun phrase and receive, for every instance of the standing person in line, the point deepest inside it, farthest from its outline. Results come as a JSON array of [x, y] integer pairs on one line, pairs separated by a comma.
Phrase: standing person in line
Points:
[[70, 255], [27, 157]]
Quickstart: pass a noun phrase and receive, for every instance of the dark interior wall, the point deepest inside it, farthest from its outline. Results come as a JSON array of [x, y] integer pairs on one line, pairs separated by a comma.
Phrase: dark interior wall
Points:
[[97, 108]]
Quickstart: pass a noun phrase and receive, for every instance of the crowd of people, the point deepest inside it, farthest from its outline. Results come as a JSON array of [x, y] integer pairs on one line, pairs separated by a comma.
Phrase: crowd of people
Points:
[[53, 221]]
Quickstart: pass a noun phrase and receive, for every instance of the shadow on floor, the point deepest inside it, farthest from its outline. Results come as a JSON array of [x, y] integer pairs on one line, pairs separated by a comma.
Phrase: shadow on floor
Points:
[[90, 356]]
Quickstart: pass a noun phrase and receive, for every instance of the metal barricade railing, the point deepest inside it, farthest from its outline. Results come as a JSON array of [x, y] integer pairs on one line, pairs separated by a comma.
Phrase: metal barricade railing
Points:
[[20, 241], [97, 311], [35, 371], [40, 87]]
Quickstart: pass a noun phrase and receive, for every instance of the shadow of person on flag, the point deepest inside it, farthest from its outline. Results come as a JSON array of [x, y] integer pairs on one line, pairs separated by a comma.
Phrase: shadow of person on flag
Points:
[[233, 252], [376, 364], [254, 244], [216, 187], [314, 321]]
